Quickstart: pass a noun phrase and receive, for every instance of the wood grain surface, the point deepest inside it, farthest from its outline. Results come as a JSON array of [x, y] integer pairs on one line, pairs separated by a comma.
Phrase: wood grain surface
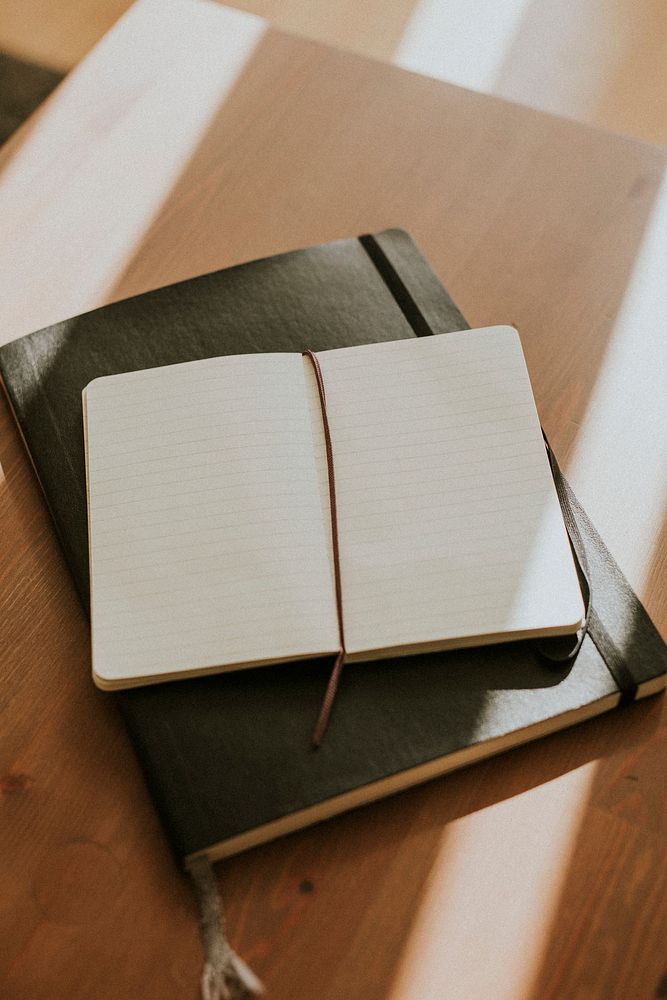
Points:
[[193, 138]]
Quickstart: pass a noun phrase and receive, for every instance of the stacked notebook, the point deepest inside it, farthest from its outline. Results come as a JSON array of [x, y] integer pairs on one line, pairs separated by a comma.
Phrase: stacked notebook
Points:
[[453, 544], [209, 501]]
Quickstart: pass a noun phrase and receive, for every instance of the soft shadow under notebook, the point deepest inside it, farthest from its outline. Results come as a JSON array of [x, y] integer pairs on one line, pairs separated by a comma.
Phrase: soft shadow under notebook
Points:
[[228, 758]]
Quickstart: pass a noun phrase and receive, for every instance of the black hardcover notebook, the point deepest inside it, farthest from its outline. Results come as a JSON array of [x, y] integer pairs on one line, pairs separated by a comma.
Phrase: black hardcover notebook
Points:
[[228, 758]]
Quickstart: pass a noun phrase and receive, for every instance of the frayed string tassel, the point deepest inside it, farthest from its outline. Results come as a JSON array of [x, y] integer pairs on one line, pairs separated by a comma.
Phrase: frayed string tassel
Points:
[[225, 975]]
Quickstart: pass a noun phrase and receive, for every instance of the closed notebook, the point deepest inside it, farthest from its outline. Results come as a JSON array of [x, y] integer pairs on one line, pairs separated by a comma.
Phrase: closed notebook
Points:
[[227, 757], [209, 508]]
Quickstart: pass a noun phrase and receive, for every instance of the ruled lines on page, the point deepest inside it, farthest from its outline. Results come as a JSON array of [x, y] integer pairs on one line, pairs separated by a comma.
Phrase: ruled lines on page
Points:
[[208, 545], [450, 524]]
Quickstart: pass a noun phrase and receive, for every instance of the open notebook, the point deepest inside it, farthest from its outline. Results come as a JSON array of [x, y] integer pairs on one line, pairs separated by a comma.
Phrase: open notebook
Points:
[[208, 503]]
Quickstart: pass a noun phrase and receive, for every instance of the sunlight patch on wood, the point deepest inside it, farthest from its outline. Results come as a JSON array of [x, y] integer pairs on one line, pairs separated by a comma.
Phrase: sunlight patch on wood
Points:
[[95, 200], [460, 41], [492, 894]]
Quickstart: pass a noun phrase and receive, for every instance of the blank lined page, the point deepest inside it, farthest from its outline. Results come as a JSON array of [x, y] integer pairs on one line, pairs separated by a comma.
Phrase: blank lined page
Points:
[[450, 527], [207, 539]]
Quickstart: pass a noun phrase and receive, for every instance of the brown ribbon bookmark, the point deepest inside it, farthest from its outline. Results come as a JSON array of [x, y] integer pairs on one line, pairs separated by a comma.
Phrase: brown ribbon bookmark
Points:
[[332, 686]]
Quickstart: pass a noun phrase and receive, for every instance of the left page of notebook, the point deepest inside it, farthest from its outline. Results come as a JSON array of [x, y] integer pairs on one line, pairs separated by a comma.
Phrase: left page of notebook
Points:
[[208, 545]]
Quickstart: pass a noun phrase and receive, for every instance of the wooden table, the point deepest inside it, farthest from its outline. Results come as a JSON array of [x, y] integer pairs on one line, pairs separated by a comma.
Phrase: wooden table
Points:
[[192, 138]]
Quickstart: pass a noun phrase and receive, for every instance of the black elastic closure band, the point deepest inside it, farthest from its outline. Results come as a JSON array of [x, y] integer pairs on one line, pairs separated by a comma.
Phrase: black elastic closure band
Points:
[[563, 650], [613, 659], [397, 287]]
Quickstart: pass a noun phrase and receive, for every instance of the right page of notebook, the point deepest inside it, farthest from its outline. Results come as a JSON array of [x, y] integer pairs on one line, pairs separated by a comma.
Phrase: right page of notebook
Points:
[[450, 527]]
